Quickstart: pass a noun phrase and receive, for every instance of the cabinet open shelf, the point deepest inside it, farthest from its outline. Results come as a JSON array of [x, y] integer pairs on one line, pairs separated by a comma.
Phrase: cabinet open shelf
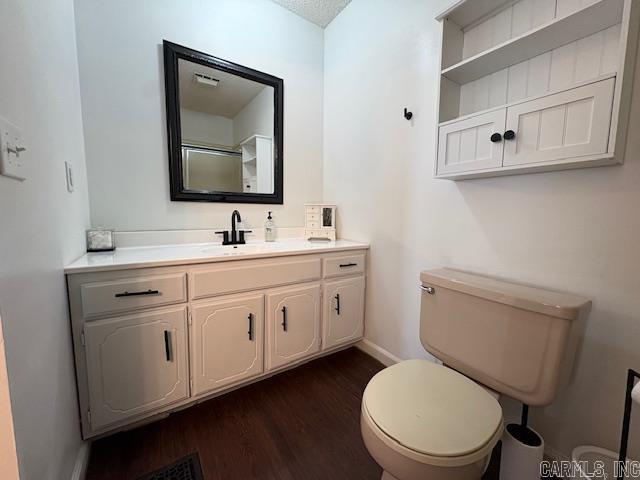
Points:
[[526, 99], [556, 33], [467, 12]]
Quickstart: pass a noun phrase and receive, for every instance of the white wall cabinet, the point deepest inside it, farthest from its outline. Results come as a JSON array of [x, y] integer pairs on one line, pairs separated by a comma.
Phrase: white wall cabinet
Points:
[[573, 124], [343, 311], [226, 342], [556, 73], [136, 364], [229, 323], [293, 324]]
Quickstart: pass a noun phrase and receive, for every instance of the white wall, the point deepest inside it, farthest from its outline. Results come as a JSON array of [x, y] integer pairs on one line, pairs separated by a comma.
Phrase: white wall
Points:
[[573, 230], [41, 229], [205, 129], [122, 83], [256, 118]]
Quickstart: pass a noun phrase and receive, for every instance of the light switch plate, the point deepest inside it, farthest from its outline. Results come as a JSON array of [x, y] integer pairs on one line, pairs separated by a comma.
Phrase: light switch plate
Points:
[[11, 151]]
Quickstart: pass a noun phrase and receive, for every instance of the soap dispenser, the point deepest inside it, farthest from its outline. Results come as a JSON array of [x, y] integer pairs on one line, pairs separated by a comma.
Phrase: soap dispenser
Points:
[[269, 229]]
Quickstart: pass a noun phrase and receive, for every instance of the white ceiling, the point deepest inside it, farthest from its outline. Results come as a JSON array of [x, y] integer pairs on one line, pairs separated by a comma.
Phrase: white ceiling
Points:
[[231, 95], [320, 12]]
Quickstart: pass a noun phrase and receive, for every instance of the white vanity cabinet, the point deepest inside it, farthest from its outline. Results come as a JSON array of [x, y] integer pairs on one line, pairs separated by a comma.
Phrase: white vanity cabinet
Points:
[[151, 340], [227, 338], [135, 364], [534, 85], [343, 311], [293, 324]]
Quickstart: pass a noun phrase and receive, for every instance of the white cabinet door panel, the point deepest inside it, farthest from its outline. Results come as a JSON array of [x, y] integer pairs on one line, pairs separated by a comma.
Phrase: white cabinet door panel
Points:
[[293, 324], [343, 311], [226, 342], [136, 364], [466, 144], [570, 124]]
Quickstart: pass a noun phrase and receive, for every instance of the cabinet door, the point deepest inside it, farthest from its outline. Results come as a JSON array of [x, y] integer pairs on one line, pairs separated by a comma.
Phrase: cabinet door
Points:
[[135, 364], [466, 145], [343, 311], [293, 324], [226, 342], [566, 125]]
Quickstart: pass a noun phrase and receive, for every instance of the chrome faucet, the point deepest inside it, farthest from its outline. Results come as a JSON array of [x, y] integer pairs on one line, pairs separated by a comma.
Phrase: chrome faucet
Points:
[[237, 236]]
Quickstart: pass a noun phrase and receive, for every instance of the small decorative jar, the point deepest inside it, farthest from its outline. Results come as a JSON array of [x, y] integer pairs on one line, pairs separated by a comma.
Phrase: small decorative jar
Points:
[[100, 240]]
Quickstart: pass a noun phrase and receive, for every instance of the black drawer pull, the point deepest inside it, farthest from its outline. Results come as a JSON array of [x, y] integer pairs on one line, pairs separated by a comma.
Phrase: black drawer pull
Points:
[[496, 137], [351, 264], [167, 345], [137, 294], [284, 318], [337, 297], [250, 332]]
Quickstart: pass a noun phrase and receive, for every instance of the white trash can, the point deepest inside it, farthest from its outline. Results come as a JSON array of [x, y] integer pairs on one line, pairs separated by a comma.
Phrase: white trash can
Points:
[[522, 452]]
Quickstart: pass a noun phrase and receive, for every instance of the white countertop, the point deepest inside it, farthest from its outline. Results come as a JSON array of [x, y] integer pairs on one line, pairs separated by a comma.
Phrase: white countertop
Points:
[[188, 254]]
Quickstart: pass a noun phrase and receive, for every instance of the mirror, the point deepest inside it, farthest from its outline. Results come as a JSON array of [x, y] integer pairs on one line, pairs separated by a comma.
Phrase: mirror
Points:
[[224, 124]]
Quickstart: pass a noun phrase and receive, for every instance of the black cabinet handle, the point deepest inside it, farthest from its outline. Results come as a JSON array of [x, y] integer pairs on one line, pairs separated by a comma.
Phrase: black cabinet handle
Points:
[[284, 318], [137, 294], [337, 297], [167, 345], [496, 137], [250, 332], [509, 135], [345, 265]]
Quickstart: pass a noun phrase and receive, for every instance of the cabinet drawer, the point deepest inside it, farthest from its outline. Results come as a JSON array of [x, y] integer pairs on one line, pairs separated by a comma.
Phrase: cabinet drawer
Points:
[[99, 298], [242, 276], [346, 265]]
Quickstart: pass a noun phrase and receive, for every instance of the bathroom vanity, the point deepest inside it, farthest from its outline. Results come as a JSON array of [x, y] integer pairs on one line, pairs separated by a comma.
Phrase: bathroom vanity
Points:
[[156, 329]]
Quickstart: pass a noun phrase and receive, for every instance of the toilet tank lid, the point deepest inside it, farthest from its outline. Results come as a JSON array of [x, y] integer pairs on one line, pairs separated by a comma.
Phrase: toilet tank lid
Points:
[[546, 302]]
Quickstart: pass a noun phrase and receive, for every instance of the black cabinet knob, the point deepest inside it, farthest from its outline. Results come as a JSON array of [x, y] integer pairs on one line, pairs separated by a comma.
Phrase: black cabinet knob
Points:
[[509, 135], [496, 137]]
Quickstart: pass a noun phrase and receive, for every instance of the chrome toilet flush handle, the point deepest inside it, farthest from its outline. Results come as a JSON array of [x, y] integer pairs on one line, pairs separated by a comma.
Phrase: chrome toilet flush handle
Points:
[[429, 290]]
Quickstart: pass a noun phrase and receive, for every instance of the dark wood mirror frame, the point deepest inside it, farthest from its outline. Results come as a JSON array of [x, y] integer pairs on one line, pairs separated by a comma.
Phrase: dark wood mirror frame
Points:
[[173, 53]]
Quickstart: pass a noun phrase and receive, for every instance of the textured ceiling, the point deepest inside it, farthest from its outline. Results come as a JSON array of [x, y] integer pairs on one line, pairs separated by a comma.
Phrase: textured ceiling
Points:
[[320, 12]]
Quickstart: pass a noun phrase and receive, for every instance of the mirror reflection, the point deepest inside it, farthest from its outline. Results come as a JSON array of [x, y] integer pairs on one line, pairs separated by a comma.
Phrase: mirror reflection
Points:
[[227, 131]]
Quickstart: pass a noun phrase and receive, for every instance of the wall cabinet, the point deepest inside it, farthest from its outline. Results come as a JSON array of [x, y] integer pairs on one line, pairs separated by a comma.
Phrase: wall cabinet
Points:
[[148, 341], [136, 364], [561, 127], [343, 311], [226, 342], [293, 324], [534, 85]]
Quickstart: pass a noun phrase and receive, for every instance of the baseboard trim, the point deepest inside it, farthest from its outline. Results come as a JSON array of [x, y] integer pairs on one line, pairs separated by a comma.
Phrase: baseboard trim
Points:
[[82, 462], [376, 351]]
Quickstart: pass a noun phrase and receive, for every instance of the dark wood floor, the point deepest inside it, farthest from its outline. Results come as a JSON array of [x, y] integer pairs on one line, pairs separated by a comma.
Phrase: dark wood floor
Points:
[[301, 424]]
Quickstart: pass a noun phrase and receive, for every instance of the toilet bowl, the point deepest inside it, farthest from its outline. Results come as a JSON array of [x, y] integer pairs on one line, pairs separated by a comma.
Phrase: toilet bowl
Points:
[[423, 421]]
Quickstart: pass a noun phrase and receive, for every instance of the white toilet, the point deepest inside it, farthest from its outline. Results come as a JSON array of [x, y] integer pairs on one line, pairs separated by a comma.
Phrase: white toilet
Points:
[[424, 421]]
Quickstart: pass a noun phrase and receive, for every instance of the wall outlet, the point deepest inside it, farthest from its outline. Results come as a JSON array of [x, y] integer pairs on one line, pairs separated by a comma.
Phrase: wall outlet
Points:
[[69, 174], [12, 151]]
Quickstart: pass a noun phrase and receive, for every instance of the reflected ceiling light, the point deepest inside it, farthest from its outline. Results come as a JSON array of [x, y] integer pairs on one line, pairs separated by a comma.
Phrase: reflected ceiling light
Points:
[[203, 79]]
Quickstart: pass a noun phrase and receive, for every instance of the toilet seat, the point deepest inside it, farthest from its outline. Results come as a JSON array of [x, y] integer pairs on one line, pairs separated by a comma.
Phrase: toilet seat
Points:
[[432, 414]]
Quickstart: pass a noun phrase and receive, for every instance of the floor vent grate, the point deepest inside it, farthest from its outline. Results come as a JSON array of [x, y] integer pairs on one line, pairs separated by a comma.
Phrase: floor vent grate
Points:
[[187, 468]]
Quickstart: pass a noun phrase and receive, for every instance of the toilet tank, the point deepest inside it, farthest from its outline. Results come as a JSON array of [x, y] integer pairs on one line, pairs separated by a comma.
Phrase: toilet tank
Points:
[[518, 340]]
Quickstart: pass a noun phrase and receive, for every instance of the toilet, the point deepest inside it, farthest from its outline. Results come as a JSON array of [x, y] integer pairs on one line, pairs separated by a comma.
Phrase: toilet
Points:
[[424, 421]]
